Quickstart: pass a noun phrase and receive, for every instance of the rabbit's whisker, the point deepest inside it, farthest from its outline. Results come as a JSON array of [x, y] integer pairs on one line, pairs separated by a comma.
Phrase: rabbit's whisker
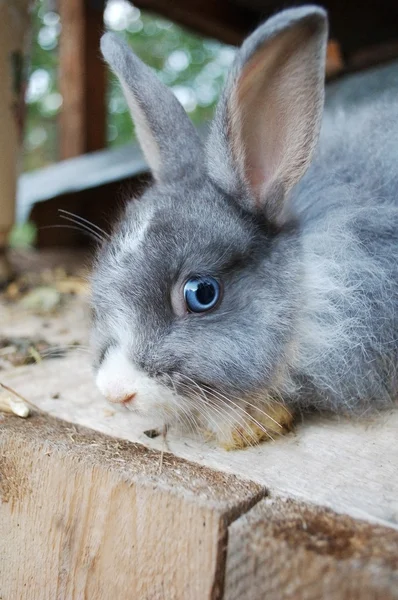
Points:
[[82, 230], [80, 219], [233, 417], [84, 227], [222, 397], [181, 411], [235, 407], [200, 408]]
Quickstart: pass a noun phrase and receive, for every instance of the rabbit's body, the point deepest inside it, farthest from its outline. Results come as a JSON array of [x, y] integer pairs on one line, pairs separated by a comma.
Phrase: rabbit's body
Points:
[[241, 282], [347, 206]]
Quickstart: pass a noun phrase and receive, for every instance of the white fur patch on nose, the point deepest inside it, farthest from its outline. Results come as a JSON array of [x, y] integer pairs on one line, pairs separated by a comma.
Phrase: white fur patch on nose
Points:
[[117, 379]]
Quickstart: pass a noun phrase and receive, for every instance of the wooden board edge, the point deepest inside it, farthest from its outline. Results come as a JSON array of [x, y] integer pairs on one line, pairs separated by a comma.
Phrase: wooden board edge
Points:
[[284, 548]]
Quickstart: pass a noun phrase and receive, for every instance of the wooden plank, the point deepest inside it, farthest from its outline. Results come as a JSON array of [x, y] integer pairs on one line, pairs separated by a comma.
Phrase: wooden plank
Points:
[[79, 174], [86, 516], [373, 55], [84, 173], [284, 550], [82, 78], [82, 185]]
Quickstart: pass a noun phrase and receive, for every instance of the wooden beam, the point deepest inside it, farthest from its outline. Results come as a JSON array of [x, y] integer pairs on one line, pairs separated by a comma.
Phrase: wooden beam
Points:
[[366, 32], [82, 78], [226, 20], [284, 550], [14, 30], [85, 516], [334, 59]]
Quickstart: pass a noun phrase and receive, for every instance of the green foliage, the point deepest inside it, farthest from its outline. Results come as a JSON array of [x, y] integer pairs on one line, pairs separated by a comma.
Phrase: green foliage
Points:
[[23, 235], [193, 67], [43, 99]]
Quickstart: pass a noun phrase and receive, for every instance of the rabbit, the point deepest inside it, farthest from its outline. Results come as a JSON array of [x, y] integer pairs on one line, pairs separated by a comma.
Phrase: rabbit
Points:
[[257, 277]]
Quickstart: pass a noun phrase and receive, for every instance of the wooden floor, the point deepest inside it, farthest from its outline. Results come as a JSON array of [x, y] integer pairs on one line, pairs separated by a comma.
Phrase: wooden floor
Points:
[[324, 496]]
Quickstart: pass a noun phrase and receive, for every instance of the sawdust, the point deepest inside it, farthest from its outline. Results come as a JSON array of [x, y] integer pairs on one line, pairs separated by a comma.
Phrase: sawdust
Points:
[[13, 479]]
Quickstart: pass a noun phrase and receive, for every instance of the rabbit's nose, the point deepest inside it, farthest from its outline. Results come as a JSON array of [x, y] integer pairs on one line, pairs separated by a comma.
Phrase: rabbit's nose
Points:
[[127, 399]]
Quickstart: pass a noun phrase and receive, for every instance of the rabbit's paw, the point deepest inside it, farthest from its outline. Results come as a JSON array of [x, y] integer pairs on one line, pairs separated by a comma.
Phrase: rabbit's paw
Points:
[[261, 424]]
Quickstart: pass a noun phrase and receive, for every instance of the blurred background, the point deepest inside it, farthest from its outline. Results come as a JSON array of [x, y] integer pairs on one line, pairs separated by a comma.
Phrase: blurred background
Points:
[[78, 151], [194, 67]]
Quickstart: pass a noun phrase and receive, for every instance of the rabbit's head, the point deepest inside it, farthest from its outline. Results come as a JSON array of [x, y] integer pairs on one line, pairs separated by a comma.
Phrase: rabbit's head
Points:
[[195, 295]]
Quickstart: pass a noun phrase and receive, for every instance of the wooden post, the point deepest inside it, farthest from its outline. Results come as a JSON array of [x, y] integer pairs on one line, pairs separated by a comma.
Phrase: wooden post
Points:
[[14, 27], [82, 78]]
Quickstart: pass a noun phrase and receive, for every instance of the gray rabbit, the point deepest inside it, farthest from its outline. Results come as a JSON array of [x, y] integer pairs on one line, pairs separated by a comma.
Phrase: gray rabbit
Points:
[[258, 275]]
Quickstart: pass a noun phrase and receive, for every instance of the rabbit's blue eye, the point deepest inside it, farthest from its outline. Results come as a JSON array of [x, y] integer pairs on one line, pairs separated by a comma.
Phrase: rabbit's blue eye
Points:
[[201, 294]]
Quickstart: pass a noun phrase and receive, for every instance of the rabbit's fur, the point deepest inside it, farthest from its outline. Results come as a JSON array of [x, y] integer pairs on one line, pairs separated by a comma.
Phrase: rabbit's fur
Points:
[[308, 258]]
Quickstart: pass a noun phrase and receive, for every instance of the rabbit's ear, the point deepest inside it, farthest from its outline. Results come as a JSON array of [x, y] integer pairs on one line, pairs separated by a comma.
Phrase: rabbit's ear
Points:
[[267, 123], [167, 137]]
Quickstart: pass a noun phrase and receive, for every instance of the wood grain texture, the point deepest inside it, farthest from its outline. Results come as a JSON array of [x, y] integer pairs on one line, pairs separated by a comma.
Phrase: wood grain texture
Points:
[[86, 516], [285, 550]]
